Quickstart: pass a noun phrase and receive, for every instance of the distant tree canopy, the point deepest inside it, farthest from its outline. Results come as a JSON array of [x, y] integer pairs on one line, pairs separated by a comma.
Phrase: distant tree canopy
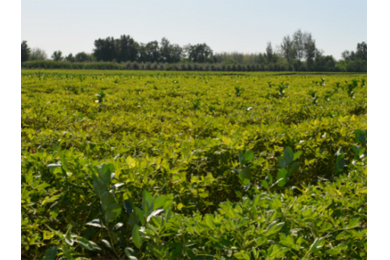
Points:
[[296, 52], [57, 56], [127, 49], [360, 54], [199, 53], [37, 54], [25, 51]]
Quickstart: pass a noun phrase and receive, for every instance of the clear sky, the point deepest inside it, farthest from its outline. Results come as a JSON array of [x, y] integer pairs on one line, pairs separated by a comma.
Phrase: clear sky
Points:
[[230, 25]]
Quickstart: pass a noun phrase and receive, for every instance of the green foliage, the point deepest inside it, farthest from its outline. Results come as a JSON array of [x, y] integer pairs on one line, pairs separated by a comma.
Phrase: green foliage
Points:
[[25, 51], [166, 165]]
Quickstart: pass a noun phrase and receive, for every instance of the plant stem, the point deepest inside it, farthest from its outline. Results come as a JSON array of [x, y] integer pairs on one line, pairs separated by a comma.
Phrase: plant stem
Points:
[[112, 244]]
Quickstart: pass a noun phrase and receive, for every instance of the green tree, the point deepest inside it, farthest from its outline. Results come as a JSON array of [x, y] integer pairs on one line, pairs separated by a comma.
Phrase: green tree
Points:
[[57, 56], [127, 49], [149, 52], [200, 53], [25, 51], [70, 58], [83, 57], [310, 50], [37, 54], [299, 44], [269, 52], [361, 51], [170, 52], [288, 50], [105, 49]]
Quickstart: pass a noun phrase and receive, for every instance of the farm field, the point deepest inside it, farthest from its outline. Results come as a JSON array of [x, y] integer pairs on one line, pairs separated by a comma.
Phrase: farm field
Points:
[[193, 165]]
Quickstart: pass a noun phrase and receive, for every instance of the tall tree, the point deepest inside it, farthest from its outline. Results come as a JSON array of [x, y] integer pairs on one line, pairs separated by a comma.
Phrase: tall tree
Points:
[[37, 54], [149, 52], [288, 50], [346, 55], [310, 49], [299, 44], [105, 49], [57, 56], [200, 53], [83, 57], [170, 52], [25, 51], [127, 49], [361, 51], [70, 58], [176, 53], [269, 52]]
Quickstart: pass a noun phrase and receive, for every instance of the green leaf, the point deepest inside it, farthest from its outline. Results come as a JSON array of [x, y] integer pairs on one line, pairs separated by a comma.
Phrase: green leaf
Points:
[[242, 255], [264, 183], [353, 222], [112, 212], [140, 215], [246, 173], [99, 186], [107, 199], [342, 236], [273, 228], [209, 221], [282, 174], [361, 137], [269, 178], [137, 239], [316, 245], [293, 168], [248, 156], [325, 227], [355, 149], [47, 235], [128, 207], [337, 250], [113, 236], [287, 241], [241, 158], [297, 155], [340, 163], [133, 219], [189, 252], [159, 202], [282, 162], [147, 202], [288, 155], [131, 162], [105, 173], [51, 253], [63, 161]]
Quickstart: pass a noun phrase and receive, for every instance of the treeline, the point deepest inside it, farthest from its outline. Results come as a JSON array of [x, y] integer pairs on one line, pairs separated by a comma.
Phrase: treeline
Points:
[[296, 53]]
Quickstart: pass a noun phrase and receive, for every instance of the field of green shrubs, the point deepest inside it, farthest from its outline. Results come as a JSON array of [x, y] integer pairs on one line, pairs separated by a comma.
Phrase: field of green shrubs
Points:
[[193, 165]]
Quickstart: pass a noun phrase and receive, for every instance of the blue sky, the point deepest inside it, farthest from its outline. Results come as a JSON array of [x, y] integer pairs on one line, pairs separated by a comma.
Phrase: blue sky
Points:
[[229, 25]]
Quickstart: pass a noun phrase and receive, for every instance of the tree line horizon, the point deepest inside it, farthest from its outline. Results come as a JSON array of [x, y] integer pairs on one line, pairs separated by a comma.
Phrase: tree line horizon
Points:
[[297, 53]]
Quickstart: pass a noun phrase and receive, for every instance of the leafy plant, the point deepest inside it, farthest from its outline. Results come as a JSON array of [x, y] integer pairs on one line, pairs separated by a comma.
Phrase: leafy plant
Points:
[[239, 90], [100, 97], [314, 96]]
